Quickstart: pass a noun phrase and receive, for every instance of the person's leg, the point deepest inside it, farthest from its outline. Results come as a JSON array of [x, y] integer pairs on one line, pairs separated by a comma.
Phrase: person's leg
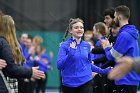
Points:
[[97, 84], [112, 86], [21, 86], [44, 82], [126, 89], [104, 84], [31, 86], [108, 85], [66, 89], [86, 88], [38, 86], [28, 87]]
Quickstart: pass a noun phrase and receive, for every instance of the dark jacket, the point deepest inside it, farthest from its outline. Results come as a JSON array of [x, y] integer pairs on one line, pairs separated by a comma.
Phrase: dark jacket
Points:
[[12, 70]]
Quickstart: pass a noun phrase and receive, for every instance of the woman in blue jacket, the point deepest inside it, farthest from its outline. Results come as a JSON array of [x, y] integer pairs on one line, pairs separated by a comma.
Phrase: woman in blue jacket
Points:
[[74, 61], [43, 61]]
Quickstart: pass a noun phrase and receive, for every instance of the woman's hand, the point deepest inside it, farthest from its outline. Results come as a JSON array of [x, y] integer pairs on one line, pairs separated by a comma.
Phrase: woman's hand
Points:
[[3, 64], [37, 74], [73, 44]]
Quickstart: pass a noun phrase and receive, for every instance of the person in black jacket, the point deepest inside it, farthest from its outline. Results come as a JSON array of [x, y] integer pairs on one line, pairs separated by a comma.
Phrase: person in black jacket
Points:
[[2, 62], [113, 29], [100, 50], [10, 51]]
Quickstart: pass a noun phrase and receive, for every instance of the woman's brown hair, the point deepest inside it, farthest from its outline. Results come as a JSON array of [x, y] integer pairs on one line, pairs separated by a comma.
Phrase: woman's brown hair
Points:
[[102, 28], [8, 31], [71, 22]]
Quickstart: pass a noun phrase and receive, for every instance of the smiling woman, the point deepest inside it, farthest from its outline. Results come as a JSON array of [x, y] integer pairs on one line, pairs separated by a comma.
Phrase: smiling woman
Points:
[[73, 60]]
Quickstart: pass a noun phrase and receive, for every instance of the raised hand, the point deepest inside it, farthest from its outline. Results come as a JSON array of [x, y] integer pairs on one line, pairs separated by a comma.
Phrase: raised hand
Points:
[[73, 44], [105, 43], [3, 63]]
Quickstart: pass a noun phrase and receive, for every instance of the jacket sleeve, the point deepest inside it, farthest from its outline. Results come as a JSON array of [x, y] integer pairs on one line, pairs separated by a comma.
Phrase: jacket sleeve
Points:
[[99, 70], [121, 46], [107, 64], [102, 59], [12, 69], [64, 55], [98, 50]]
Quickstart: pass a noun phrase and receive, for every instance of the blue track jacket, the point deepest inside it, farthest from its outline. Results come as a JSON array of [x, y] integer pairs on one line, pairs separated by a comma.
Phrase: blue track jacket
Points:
[[75, 64], [126, 45]]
